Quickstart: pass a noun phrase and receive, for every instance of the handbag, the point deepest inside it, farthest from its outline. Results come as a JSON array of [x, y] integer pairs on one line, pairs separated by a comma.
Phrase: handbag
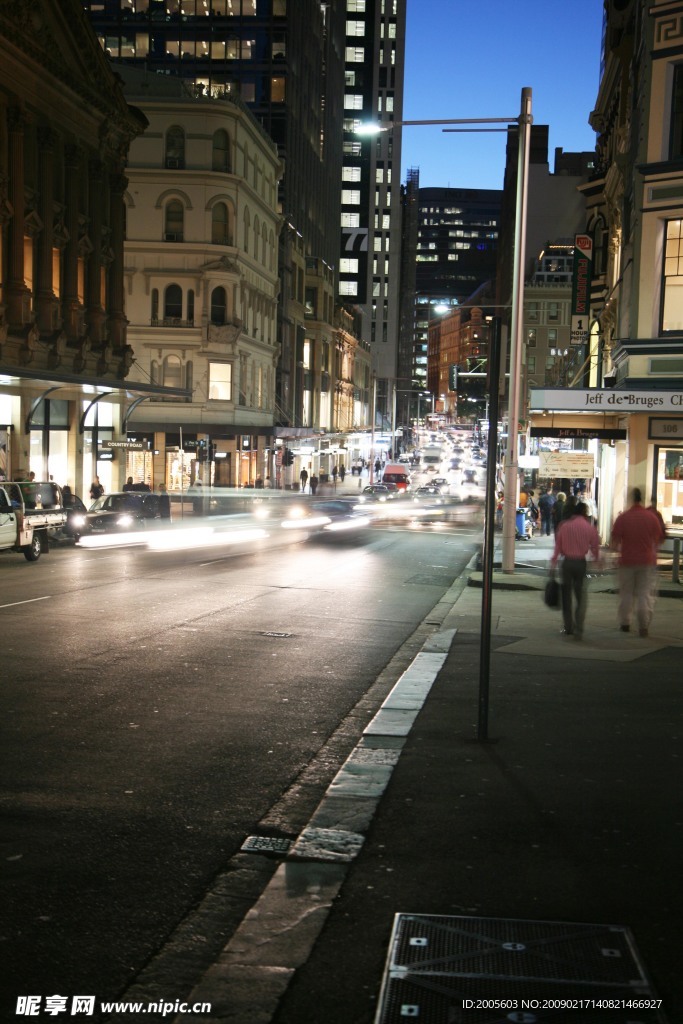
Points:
[[552, 593]]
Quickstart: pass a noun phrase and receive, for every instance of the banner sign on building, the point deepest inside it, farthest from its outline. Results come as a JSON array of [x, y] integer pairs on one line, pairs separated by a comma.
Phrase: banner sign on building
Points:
[[601, 433], [136, 446], [604, 400], [576, 465], [581, 289]]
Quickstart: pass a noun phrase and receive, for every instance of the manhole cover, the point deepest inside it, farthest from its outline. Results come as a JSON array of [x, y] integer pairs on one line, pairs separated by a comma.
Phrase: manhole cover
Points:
[[480, 970], [266, 844], [272, 632]]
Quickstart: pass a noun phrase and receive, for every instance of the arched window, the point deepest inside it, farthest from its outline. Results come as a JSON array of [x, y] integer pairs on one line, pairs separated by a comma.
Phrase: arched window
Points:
[[190, 307], [257, 234], [220, 228], [264, 245], [271, 244], [173, 302], [218, 306], [173, 372], [220, 157], [175, 147], [155, 305], [173, 221]]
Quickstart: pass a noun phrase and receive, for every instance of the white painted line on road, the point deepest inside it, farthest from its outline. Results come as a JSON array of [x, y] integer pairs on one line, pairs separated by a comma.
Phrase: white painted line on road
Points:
[[30, 600]]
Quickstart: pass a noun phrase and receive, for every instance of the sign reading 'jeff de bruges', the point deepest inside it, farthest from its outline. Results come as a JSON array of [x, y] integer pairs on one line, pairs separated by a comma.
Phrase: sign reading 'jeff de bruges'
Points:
[[604, 400]]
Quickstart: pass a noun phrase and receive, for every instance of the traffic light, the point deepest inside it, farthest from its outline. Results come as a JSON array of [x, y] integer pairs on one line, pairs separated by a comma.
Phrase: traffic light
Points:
[[453, 377], [288, 457]]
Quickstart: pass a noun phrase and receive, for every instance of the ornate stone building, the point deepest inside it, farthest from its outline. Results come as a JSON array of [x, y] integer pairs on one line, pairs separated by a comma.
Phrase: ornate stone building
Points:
[[202, 281], [65, 129]]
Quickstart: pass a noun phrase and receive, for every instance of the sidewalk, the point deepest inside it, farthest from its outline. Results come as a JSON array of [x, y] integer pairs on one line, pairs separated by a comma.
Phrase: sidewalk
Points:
[[571, 813]]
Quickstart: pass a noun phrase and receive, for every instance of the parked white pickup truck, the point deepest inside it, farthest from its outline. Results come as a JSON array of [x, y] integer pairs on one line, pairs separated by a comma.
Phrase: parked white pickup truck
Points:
[[29, 513]]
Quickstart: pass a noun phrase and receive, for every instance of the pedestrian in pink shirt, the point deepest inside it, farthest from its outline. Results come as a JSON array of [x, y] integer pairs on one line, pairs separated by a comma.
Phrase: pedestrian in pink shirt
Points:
[[637, 534], [575, 538]]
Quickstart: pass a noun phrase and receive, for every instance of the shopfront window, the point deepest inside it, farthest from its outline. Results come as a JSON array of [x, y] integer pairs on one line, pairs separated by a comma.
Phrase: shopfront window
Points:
[[669, 485]]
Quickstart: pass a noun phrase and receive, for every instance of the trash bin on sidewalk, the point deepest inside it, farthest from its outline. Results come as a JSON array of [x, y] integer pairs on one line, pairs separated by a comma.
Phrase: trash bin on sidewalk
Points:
[[520, 523]]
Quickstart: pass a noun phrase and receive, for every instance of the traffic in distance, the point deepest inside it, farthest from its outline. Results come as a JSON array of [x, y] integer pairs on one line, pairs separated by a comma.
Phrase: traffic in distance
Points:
[[440, 483]]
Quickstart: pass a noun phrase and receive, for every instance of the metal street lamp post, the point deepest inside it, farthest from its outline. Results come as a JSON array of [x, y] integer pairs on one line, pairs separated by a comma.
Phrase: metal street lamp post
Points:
[[524, 121]]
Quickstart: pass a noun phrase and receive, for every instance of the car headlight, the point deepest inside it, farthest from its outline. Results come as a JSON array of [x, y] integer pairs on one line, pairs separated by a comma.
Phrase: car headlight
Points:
[[78, 520], [125, 520]]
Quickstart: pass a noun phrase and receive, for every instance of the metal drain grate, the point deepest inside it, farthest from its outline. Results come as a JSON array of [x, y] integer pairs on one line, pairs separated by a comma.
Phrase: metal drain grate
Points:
[[266, 844], [448, 970]]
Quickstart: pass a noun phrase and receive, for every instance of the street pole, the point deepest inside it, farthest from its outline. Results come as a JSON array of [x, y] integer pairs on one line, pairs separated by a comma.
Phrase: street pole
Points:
[[512, 454], [371, 471], [489, 527]]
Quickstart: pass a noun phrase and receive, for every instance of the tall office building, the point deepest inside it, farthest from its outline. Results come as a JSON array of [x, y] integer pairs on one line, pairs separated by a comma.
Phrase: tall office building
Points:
[[285, 61], [369, 264], [457, 243]]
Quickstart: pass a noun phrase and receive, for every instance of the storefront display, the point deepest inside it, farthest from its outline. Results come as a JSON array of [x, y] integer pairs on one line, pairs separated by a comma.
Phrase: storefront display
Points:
[[669, 487]]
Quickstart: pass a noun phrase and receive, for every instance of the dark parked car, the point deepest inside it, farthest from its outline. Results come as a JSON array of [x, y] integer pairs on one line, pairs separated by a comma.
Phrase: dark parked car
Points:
[[121, 511]]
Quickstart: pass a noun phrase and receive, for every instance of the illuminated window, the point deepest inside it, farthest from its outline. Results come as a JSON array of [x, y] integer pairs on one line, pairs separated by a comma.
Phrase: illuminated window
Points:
[[348, 266], [355, 28], [277, 89], [672, 307], [353, 101], [350, 197], [354, 55], [350, 220], [56, 275], [220, 382], [348, 287], [28, 262], [350, 173]]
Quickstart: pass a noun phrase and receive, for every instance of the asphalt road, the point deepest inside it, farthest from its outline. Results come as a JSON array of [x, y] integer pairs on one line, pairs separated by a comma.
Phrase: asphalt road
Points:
[[155, 705]]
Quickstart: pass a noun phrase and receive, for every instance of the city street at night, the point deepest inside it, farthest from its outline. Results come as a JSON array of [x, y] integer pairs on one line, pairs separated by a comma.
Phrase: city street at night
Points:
[[156, 704]]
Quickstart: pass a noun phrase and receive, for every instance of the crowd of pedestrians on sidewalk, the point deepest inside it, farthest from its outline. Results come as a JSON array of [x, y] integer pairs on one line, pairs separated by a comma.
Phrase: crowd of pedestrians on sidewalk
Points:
[[637, 534]]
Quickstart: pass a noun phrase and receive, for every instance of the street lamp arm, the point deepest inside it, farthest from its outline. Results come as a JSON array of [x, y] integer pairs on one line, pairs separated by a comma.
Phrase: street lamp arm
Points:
[[374, 128]]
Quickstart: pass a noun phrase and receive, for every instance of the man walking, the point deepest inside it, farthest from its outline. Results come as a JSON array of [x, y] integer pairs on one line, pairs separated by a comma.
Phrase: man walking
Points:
[[575, 538], [637, 535], [546, 504]]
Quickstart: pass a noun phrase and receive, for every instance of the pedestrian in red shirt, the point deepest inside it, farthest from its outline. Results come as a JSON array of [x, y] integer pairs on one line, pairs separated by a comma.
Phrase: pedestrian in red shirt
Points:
[[575, 538], [637, 534]]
